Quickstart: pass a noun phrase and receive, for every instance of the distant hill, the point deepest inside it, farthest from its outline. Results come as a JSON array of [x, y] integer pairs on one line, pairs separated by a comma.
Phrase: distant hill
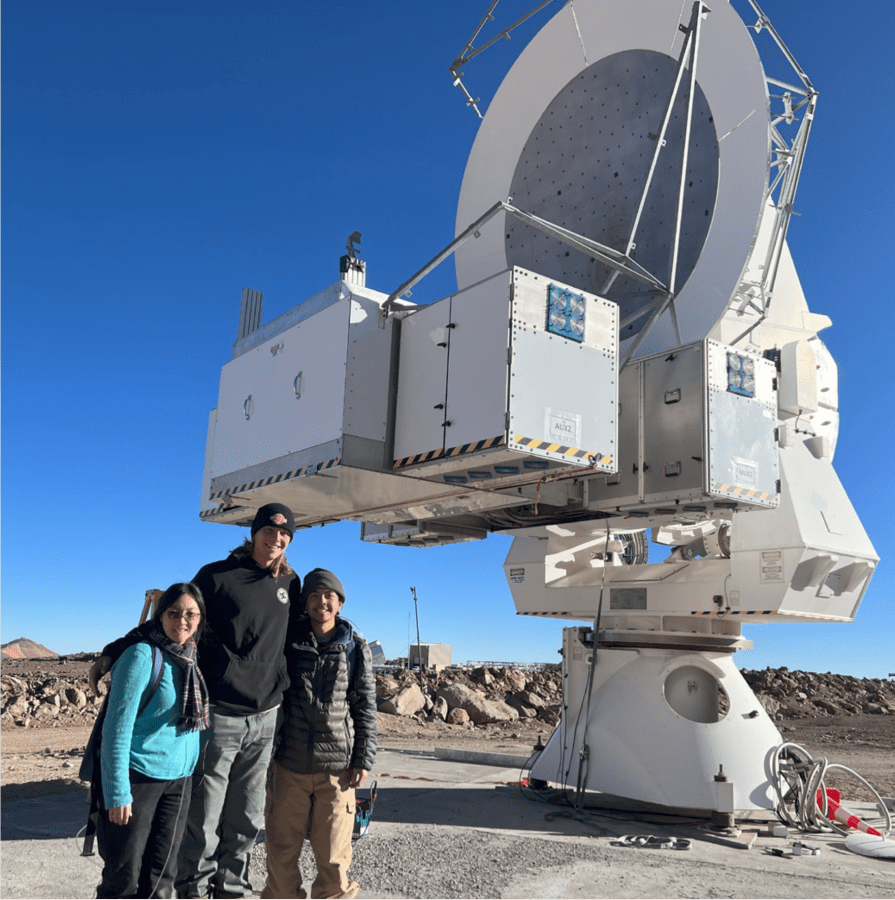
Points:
[[24, 648]]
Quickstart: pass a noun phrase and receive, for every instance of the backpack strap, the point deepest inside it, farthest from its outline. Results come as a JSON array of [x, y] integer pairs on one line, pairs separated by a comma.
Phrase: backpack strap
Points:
[[91, 768], [155, 679]]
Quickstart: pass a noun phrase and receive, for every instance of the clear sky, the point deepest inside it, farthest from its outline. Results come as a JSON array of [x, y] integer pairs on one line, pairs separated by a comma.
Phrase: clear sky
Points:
[[160, 156]]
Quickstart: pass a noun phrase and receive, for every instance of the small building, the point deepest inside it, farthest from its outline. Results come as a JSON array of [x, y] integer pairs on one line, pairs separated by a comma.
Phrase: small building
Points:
[[430, 656]]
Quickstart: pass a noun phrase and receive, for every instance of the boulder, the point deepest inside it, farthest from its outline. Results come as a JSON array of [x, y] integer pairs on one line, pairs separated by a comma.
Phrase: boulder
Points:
[[525, 711], [484, 712], [482, 675], [456, 695], [457, 716], [514, 679], [480, 710], [532, 699], [18, 707], [407, 702], [386, 686], [76, 697]]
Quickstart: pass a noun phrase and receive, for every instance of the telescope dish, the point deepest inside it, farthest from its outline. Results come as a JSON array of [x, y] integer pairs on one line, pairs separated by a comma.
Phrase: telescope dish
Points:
[[570, 137]]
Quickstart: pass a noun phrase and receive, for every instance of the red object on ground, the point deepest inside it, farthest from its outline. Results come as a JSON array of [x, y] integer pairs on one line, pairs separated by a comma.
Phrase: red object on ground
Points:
[[838, 813]]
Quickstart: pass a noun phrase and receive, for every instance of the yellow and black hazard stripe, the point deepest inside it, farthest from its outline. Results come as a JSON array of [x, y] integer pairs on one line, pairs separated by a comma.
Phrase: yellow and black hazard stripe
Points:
[[548, 613], [487, 444], [769, 612], [276, 479], [208, 513], [569, 452], [750, 493], [418, 458], [731, 612], [451, 452]]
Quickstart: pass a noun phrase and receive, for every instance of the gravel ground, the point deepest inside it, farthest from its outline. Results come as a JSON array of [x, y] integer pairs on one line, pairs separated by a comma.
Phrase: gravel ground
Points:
[[381, 865], [416, 865]]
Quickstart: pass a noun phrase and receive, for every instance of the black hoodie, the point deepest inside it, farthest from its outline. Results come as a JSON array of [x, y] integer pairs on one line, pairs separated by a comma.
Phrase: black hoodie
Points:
[[248, 617], [241, 649]]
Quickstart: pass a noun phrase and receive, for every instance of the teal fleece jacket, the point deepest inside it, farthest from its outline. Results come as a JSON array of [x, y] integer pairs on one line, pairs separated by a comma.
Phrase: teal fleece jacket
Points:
[[152, 744]]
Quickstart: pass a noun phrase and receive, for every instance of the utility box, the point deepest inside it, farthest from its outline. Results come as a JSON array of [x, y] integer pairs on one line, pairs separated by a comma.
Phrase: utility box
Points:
[[515, 374], [696, 428]]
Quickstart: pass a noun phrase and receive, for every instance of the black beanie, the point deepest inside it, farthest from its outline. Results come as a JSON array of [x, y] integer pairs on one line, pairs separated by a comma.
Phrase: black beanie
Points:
[[321, 580], [273, 514]]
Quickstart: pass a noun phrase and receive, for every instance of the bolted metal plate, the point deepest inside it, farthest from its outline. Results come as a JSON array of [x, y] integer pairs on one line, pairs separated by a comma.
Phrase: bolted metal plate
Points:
[[587, 162]]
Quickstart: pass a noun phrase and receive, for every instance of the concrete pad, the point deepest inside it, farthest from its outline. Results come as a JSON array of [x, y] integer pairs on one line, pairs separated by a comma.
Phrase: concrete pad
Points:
[[40, 851], [438, 825], [501, 760]]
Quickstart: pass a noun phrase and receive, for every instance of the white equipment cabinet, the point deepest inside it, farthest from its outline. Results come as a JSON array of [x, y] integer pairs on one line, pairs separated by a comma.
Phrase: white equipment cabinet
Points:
[[305, 394], [292, 389], [483, 369]]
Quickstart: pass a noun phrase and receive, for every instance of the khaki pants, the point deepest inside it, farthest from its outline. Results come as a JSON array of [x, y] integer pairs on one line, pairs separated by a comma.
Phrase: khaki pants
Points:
[[324, 802]]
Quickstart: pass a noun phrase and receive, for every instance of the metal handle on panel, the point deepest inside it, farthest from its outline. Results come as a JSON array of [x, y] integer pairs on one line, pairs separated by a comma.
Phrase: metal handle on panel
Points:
[[248, 407], [297, 385]]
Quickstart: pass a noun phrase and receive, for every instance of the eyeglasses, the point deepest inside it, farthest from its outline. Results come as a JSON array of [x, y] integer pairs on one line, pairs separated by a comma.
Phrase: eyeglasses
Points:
[[173, 616]]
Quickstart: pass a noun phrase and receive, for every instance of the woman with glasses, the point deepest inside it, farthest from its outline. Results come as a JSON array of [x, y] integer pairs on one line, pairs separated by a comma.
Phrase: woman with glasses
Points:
[[150, 746]]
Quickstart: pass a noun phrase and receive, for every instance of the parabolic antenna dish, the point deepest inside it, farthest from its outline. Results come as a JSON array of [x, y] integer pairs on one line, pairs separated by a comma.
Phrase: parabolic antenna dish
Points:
[[571, 135]]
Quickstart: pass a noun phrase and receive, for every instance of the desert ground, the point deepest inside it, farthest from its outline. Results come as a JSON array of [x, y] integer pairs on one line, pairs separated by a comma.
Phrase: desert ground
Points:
[[41, 755]]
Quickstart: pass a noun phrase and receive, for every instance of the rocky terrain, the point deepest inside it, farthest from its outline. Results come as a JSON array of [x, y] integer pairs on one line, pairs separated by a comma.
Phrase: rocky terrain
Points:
[[53, 693], [48, 710]]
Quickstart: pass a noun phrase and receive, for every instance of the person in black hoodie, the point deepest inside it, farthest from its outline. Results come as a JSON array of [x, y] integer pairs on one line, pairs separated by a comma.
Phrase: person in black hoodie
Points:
[[248, 599], [326, 746]]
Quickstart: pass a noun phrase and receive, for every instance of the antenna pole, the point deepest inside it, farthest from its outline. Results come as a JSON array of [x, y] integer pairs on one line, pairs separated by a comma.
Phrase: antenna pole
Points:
[[419, 652]]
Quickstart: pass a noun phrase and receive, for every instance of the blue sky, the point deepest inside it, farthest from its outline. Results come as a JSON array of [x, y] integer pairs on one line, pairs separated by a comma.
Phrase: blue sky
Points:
[[159, 157]]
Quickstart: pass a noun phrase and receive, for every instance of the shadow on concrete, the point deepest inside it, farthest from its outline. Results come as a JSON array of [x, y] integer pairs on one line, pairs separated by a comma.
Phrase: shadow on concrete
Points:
[[497, 808], [47, 817], [29, 790]]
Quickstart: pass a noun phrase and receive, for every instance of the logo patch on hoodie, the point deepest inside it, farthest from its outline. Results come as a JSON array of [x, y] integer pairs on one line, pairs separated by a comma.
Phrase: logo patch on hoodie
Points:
[[282, 595]]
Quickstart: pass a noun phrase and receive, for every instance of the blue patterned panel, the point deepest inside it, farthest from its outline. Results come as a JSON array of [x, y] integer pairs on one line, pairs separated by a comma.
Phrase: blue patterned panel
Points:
[[565, 313]]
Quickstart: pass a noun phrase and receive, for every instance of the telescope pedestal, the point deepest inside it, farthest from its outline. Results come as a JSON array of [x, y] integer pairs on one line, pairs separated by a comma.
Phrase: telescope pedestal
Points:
[[657, 725]]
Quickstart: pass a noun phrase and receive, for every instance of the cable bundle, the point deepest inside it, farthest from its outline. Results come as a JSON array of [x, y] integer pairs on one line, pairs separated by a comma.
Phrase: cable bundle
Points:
[[798, 781]]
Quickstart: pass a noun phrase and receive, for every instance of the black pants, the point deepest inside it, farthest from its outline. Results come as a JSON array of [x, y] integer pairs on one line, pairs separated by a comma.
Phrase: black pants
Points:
[[141, 857]]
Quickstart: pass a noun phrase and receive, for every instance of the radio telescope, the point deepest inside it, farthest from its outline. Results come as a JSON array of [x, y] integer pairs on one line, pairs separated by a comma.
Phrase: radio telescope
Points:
[[629, 352]]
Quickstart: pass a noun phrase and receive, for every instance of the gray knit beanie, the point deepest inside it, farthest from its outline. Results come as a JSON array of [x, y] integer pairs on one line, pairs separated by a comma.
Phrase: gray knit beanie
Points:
[[321, 580]]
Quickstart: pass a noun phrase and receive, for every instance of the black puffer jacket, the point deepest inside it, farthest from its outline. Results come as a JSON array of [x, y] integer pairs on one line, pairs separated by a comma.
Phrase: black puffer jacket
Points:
[[329, 710]]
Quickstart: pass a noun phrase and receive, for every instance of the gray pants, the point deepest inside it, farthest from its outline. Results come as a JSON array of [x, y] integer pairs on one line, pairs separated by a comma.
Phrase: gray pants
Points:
[[227, 806]]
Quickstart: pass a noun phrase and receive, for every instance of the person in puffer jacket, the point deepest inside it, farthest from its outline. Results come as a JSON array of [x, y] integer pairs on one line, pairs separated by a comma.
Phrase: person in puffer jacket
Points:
[[327, 744]]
